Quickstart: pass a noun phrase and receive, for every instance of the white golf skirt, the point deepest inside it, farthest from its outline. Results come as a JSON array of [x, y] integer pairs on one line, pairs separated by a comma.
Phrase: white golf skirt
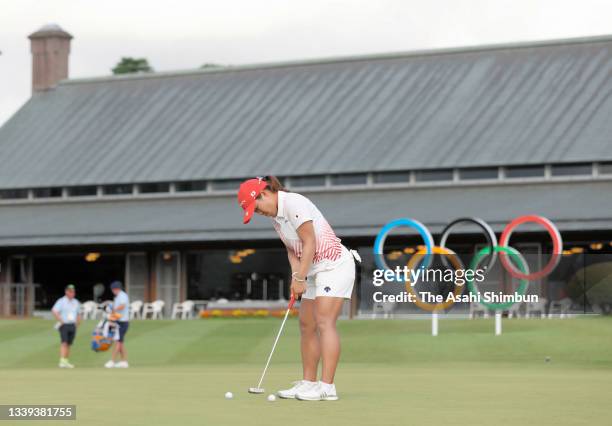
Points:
[[337, 281]]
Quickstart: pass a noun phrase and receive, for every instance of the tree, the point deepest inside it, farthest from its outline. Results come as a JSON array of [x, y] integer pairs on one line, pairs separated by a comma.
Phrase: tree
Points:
[[129, 65]]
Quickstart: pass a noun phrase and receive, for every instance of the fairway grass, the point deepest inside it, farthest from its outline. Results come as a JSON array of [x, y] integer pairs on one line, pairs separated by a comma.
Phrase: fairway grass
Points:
[[392, 373]]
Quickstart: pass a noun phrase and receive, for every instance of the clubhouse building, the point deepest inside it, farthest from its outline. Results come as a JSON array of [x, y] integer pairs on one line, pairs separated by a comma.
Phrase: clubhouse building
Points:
[[134, 177]]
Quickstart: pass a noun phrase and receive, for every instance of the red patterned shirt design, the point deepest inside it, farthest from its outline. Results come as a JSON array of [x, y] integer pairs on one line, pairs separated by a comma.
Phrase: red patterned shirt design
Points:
[[295, 209]]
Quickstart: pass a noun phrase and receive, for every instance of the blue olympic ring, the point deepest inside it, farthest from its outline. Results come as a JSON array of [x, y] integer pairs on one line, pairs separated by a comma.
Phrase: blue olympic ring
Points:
[[412, 223]]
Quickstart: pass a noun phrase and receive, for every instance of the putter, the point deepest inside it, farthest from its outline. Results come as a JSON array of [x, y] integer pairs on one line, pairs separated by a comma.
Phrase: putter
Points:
[[259, 389]]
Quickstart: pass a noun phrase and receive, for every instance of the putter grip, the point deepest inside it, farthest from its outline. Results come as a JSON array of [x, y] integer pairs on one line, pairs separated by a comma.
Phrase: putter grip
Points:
[[291, 302]]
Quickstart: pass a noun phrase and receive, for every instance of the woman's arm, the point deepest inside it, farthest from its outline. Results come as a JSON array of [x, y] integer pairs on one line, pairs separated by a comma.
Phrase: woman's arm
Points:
[[293, 260], [307, 236], [301, 267]]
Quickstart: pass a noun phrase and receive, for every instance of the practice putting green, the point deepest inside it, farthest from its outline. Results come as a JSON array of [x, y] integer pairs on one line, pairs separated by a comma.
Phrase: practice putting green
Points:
[[392, 373]]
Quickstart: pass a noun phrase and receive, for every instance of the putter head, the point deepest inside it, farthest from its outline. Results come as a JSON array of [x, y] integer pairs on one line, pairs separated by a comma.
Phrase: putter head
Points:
[[256, 390]]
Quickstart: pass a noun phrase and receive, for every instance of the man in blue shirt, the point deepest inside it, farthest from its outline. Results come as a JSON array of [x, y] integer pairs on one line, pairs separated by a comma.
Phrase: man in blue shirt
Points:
[[66, 311], [121, 309]]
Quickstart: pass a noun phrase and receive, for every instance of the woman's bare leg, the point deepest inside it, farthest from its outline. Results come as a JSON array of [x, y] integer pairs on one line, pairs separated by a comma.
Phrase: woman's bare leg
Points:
[[327, 310], [311, 350]]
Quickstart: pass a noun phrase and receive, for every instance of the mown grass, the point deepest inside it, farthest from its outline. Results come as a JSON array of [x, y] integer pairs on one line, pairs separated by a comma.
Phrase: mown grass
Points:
[[392, 372]]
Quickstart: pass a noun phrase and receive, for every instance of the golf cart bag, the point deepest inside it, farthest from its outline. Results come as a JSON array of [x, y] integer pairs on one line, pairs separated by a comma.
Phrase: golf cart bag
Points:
[[104, 334]]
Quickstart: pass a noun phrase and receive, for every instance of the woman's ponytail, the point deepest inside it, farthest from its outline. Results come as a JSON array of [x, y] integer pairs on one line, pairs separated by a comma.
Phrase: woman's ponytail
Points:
[[274, 184]]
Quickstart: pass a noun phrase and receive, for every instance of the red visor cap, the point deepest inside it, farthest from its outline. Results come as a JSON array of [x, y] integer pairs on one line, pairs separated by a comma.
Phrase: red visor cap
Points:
[[248, 192]]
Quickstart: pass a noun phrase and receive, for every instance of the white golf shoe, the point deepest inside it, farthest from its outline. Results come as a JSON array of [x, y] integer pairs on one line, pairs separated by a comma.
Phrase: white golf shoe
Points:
[[110, 364], [300, 385], [320, 392], [122, 364], [65, 364]]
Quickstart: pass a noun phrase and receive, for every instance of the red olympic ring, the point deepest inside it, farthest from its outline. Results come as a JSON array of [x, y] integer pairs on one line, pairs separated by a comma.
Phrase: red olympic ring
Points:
[[554, 235]]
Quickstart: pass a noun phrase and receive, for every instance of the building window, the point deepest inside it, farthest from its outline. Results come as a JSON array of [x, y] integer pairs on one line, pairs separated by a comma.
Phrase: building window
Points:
[[125, 189], [605, 168], [82, 191], [47, 192], [479, 173], [433, 175], [392, 177], [13, 194], [577, 169], [237, 274], [349, 179], [194, 185], [297, 181], [225, 185], [524, 171], [152, 188]]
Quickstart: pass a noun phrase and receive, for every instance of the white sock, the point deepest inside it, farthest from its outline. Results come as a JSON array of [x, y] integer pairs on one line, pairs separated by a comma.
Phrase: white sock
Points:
[[328, 387]]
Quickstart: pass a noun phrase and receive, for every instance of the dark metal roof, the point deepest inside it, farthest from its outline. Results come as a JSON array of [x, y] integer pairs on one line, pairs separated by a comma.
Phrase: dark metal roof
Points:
[[516, 104], [577, 205]]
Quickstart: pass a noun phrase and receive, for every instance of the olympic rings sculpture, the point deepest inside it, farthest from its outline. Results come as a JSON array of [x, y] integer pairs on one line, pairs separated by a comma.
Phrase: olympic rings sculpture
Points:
[[504, 240], [491, 250]]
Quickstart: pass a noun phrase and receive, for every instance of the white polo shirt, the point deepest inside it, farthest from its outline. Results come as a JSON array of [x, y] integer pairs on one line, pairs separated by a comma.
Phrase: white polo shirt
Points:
[[68, 309], [295, 209]]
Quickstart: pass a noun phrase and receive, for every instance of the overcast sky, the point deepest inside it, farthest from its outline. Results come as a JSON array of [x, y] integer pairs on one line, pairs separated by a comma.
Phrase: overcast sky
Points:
[[183, 34]]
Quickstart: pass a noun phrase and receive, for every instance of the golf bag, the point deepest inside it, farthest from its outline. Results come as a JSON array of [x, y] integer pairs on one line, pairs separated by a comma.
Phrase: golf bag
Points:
[[104, 334]]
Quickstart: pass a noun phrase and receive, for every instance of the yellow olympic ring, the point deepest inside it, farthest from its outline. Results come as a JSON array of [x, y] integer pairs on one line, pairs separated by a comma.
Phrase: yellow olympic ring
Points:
[[457, 264]]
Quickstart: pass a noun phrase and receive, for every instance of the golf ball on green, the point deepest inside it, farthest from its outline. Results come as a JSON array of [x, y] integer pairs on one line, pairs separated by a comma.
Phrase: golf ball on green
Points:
[[229, 395], [271, 398]]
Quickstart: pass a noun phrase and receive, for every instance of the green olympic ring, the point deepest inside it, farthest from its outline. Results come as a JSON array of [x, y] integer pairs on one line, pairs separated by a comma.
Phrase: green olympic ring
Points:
[[524, 268]]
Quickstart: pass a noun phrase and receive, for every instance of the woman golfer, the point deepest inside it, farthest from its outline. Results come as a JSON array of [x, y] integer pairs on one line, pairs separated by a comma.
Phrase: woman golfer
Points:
[[323, 273]]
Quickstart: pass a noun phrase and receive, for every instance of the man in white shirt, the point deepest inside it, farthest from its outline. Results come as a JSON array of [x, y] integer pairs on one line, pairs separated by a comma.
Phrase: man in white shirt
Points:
[[66, 312], [121, 310]]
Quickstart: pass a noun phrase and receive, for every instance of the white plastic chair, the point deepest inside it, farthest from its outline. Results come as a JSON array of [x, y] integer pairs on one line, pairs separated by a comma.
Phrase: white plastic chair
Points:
[[536, 307], [183, 310], [515, 310], [135, 308], [89, 310], [384, 308], [155, 309], [177, 309], [561, 307], [476, 309]]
